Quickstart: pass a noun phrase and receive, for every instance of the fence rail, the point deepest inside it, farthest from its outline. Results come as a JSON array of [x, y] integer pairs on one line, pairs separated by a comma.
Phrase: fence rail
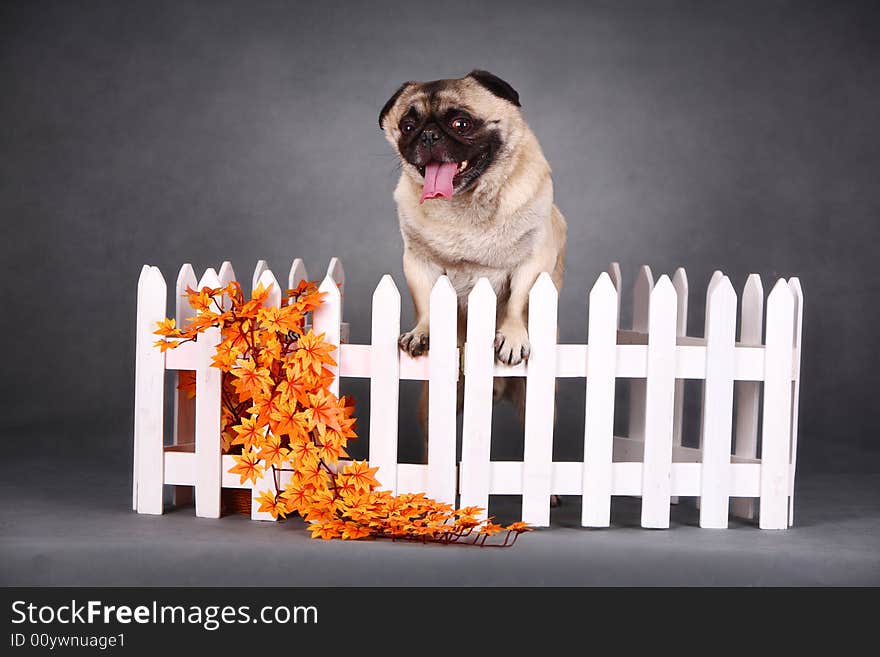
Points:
[[739, 378]]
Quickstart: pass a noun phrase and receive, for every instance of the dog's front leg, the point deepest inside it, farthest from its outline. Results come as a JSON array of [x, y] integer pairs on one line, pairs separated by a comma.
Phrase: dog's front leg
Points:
[[420, 277], [512, 336]]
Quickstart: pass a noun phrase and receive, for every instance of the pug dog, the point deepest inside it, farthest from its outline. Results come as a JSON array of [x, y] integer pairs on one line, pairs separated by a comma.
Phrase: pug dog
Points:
[[474, 199]]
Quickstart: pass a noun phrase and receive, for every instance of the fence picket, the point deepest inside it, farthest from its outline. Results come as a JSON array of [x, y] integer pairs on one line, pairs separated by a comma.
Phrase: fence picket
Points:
[[267, 480], [798, 293], [599, 412], [209, 467], [776, 427], [262, 266], [659, 405], [616, 279], [326, 320], [716, 277], [680, 283], [297, 273], [226, 274], [718, 405], [442, 391], [479, 364], [747, 392], [334, 269], [540, 402], [184, 406], [149, 394], [642, 288], [385, 382]]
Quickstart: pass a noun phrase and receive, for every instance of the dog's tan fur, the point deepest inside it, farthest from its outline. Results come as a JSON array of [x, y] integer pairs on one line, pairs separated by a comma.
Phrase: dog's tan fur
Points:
[[504, 228]]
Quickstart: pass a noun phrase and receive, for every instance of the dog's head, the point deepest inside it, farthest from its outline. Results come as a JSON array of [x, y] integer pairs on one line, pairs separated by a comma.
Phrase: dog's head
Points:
[[452, 133]]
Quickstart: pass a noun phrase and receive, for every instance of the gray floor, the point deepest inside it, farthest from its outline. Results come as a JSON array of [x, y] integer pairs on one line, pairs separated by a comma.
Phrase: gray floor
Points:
[[63, 524]]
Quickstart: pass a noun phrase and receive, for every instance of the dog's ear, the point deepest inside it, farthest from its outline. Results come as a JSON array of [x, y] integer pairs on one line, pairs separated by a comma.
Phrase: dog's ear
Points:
[[387, 107], [496, 85]]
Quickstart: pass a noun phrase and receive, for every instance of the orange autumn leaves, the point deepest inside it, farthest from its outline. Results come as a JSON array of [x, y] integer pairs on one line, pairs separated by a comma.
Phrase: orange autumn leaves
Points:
[[280, 418]]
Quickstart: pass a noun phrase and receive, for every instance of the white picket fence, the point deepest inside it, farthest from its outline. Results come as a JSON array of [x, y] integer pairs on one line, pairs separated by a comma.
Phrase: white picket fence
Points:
[[657, 356]]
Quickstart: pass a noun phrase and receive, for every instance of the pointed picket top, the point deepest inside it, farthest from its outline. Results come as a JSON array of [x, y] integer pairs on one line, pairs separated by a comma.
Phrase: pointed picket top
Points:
[[267, 280], [335, 270], [543, 285], [153, 280], [720, 293], [716, 277], [297, 273], [329, 286], [664, 291], [227, 273], [604, 286], [481, 293], [386, 289], [797, 292], [781, 294], [226, 276], [262, 266], [752, 322], [642, 288], [209, 279], [614, 274], [680, 283], [442, 288], [150, 275], [186, 278]]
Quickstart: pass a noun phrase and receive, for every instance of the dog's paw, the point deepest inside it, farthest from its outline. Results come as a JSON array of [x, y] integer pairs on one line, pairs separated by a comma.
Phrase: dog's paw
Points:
[[512, 345], [414, 342]]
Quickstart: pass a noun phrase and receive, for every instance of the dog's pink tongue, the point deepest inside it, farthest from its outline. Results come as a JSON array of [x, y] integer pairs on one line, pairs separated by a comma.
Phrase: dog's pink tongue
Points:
[[438, 180]]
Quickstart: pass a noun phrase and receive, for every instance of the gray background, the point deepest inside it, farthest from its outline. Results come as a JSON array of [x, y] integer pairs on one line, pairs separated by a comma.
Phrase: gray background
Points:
[[739, 136]]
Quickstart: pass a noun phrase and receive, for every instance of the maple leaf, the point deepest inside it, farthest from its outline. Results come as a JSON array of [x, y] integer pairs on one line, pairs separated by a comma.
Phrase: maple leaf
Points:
[[272, 452], [298, 497], [269, 319], [167, 327], [326, 530], [251, 379], [361, 475], [313, 353], [325, 410], [247, 466], [352, 531], [304, 454], [271, 503], [165, 345], [250, 432], [490, 529], [285, 420]]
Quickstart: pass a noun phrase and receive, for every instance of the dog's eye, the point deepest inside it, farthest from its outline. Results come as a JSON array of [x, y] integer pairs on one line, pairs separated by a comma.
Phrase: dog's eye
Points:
[[407, 127], [461, 124]]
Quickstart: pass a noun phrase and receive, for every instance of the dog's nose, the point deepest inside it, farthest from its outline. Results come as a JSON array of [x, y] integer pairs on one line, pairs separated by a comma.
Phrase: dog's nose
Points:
[[430, 135]]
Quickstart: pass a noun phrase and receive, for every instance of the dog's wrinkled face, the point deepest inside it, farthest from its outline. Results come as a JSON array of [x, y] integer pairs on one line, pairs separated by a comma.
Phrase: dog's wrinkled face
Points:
[[449, 133]]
